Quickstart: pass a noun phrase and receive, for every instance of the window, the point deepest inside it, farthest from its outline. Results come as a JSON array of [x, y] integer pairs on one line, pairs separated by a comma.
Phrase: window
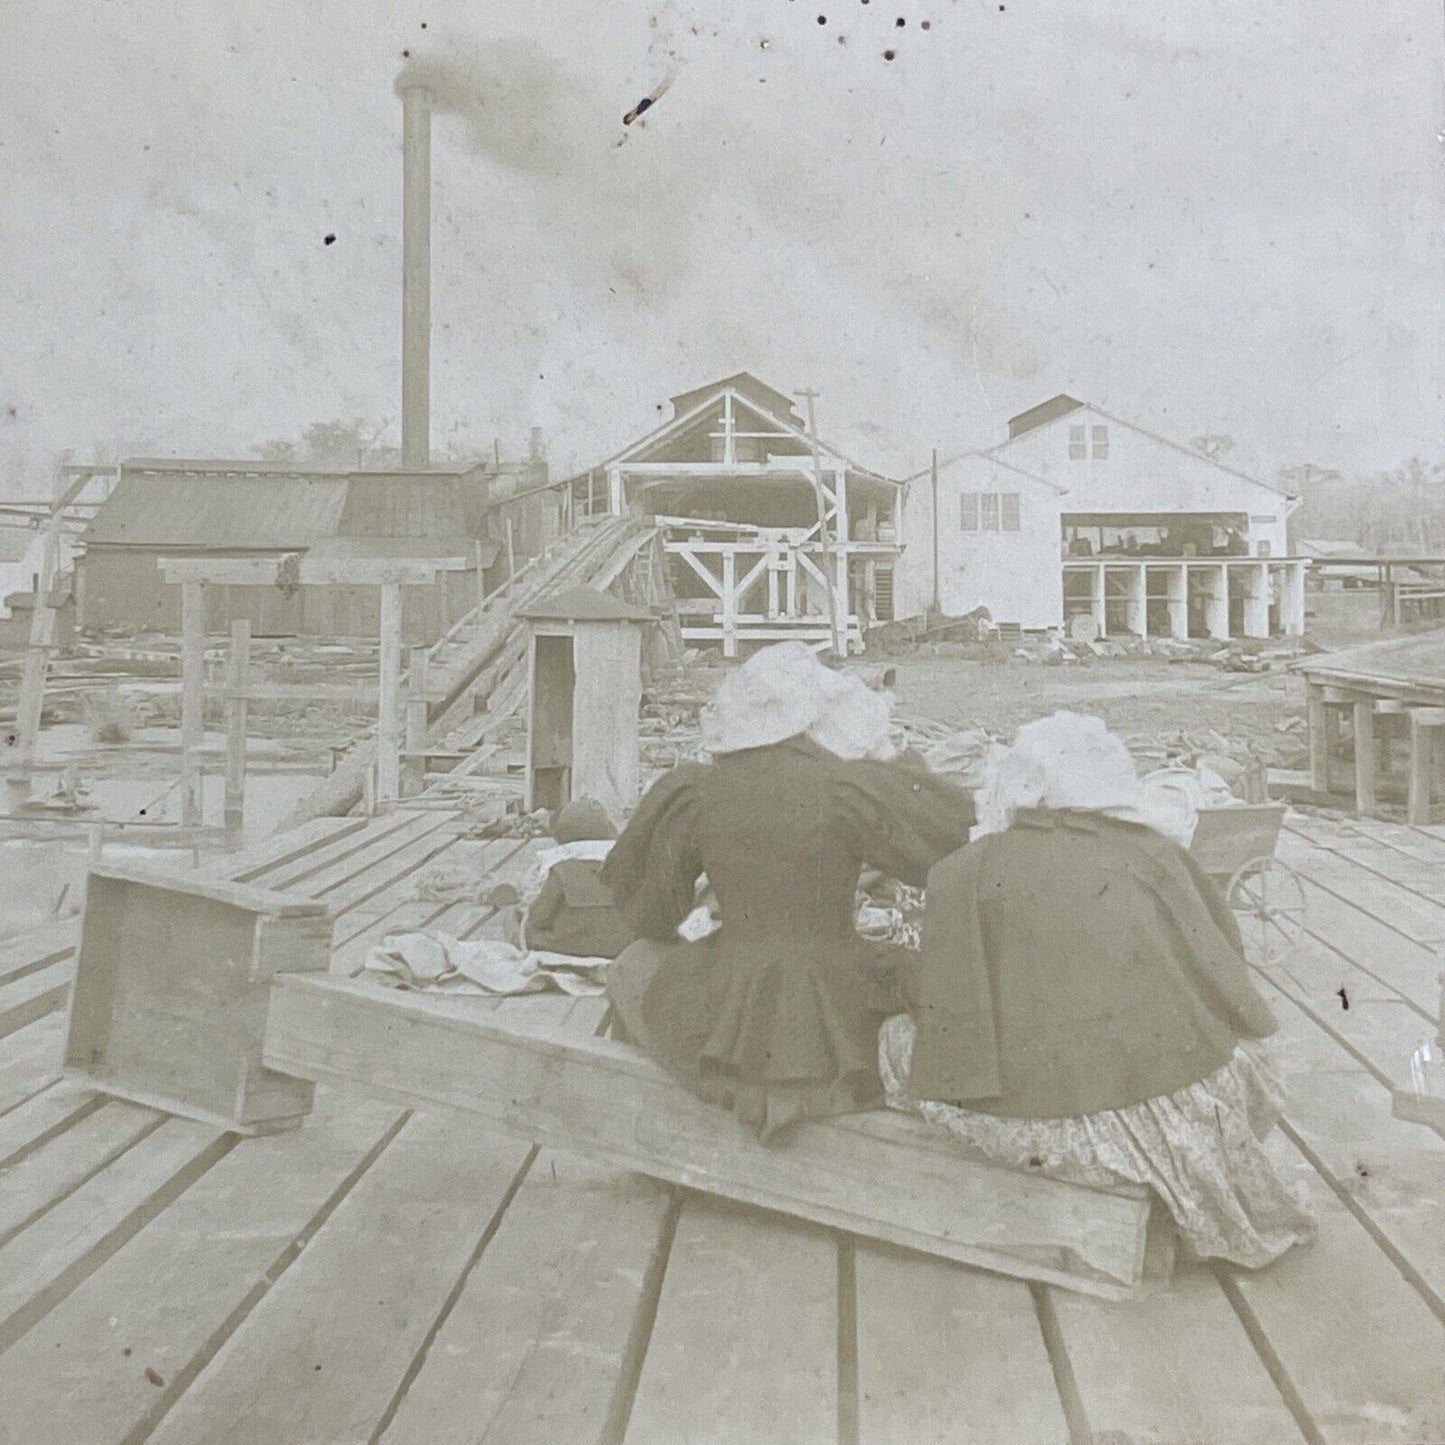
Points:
[[1078, 448], [989, 512], [1101, 443]]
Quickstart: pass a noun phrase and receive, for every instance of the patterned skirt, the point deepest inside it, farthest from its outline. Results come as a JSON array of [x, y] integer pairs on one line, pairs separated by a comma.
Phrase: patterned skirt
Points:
[[1199, 1149]]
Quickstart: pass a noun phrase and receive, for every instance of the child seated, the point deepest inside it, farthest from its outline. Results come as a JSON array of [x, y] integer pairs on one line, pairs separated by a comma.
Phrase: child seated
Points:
[[574, 913]]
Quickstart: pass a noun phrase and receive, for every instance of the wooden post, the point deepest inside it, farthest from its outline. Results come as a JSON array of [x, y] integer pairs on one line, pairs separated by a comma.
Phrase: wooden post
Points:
[[413, 771], [1426, 725], [1318, 717], [839, 644], [481, 578], [31, 705], [1364, 712], [1256, 601], [730, 603], [240, 662], [388, 733], [615, 497], [193, 700], [1097, 599], [1178, 584], [511, 551]]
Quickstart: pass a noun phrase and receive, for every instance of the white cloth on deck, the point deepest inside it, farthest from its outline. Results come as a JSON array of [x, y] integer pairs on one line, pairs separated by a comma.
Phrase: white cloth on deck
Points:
[[487, 966]]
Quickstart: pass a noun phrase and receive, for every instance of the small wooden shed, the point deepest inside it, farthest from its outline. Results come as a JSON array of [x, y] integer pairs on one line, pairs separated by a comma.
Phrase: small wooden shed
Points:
[[584, 692]]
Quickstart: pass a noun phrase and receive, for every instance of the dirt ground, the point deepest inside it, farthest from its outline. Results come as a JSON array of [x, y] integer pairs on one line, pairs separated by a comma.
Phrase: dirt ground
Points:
[[1138, 698]]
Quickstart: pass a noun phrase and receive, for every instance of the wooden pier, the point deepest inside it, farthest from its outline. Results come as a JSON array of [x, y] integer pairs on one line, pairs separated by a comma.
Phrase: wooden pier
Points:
[[388, 1274]]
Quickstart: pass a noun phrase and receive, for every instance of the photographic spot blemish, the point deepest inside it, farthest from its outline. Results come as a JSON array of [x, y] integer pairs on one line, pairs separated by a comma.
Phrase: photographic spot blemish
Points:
[[155, 1377], [423, 26], [822, 20], [842, 40], [1343, 997], [641, 108], [329, 239], [1362, 1170], [889, 54], [765, 43], [900, 22], [127, 1352], [1035, 1162], [927, 25], [406, 55]]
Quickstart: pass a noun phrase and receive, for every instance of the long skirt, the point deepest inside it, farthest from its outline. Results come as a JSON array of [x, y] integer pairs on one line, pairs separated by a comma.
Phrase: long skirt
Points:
[[1199, 1149]]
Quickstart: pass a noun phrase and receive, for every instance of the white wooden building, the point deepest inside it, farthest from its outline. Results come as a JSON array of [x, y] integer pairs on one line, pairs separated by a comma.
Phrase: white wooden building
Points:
[[1080, 513], [757, 528], [987, 535]]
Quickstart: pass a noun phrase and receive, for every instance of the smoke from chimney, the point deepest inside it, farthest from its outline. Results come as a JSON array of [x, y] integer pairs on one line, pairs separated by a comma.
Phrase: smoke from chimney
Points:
[[416, 108]]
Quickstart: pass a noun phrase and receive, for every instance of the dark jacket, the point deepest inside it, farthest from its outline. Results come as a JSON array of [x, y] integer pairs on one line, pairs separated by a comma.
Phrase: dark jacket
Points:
[[776, 1015], [1072, 964], [576, 914]]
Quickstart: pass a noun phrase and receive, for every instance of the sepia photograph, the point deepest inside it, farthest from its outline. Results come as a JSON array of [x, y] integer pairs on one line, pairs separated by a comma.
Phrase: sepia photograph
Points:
[[722, 722]]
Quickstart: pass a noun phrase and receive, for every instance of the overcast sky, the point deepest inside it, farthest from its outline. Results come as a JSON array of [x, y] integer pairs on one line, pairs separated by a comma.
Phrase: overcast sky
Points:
[[1220, 218]]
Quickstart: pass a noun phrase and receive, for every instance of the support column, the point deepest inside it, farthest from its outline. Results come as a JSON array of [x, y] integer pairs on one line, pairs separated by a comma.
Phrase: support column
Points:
[[1136, 606], [413, 768], [1178, 585], [1321, 720], [1292, 603], [1096, 600], [1427, 736], [730, 603], [1216, 610], [615, 500], [239, 675], [193, 700], [388, 719], [1364, 726], [772, 585], [1256, 601]]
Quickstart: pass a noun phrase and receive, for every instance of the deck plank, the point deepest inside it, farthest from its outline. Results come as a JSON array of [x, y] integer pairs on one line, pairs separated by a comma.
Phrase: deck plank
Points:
[[29, 1060], [320, 1357], [171, 1296], [44, 1262], [391, 871], [1173, 1368], [534, 1348], [37, 994], [273, 853], [1357, 1342], [745, 1343], [375, 844], [948, 1354]]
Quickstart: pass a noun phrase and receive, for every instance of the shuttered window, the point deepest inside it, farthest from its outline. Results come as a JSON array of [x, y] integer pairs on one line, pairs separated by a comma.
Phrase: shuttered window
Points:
[[1078, 444], [968, 511]]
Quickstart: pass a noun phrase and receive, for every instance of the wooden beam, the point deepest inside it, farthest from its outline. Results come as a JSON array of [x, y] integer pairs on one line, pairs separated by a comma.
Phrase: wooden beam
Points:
[[880, 1174], [240, 662], [1319, 718], [388, 716], [313, 571], [1424, 739], [193, 700], [1365, 757], [413, 772]]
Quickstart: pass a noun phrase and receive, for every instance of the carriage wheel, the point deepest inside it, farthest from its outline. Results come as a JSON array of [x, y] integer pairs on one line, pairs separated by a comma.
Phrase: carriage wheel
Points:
[[1268, 900]]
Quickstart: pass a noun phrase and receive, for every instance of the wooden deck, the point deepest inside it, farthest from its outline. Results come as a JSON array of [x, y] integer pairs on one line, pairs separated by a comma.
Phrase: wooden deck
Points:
[[382, 1275]]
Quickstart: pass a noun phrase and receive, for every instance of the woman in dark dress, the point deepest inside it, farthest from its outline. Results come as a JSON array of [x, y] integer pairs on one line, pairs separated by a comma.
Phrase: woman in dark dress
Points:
[[1083, 1006], [775, 1016]]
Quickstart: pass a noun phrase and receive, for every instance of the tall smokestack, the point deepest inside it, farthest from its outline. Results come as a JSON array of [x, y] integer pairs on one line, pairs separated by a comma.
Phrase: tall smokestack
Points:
[[416, 102]]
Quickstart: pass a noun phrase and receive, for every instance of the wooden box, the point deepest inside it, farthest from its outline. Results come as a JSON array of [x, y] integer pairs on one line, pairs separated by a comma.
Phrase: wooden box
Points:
[[172, 986]]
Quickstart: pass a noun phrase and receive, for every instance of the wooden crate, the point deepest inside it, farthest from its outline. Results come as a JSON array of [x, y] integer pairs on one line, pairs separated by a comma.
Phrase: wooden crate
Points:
[[172, 986]]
